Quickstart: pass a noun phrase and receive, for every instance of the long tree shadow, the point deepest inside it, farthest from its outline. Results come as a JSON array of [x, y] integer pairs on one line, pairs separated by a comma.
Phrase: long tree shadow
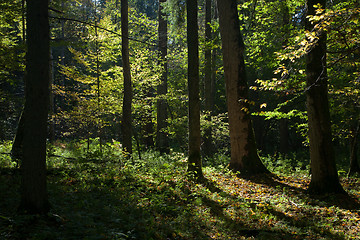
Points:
[[344, 201], [129, 207], [241, 228], [298, 221]]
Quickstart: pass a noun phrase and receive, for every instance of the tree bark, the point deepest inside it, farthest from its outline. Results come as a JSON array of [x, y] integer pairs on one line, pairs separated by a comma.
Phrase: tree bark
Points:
[[324, 176], [127, 120], [162, 142], [244, 156], [208, 89], [284, 136], [194, 161], [34, 197]]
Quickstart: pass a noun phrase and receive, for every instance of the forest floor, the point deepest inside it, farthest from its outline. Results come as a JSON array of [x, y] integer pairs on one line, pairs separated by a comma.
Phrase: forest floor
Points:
[[154, 199]]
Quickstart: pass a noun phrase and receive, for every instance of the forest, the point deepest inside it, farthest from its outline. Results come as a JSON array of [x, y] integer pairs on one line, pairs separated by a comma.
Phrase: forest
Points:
[[179, 119]]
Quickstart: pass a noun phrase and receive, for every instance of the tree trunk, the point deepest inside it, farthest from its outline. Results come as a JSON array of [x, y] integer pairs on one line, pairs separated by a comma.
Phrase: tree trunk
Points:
[[324, 176], [244, 156], [148, 126], [284, 136], [162, 142], [34, 197], [126, 123], [208, 147], [194, 161]]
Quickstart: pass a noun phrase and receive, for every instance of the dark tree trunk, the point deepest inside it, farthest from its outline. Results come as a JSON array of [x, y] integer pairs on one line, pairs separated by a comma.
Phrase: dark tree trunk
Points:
[[194, 161], [324, 176], [208, 147], [34, 197], [283, 123], [244, 156], [127, 122], [284, 135], [162, 141]]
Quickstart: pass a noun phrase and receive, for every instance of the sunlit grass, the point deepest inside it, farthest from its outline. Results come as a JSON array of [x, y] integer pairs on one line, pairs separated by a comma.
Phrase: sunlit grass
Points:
[[104, 196]]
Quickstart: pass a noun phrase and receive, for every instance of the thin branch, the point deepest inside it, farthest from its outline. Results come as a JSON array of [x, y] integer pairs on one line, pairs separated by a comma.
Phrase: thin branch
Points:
[[105, 29]]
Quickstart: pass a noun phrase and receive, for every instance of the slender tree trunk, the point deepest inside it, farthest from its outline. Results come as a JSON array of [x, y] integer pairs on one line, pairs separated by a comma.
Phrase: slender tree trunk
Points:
[[244, 156], [194, 161], [324, 176], [284, 136], [162, 141], [34, 197], [208, 147], [148, 126], [98, 84], [127, 121], [283, 123]]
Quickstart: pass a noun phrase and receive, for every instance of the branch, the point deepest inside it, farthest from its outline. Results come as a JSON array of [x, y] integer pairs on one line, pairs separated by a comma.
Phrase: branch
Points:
[[105, 29]]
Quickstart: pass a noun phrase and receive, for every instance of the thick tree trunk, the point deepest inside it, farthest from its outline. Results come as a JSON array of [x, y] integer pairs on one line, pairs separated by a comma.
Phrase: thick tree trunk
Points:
[[244, 156], [127, 122], [208, 148], [162, 141], [324, 176], [33, 184], [194, 161]]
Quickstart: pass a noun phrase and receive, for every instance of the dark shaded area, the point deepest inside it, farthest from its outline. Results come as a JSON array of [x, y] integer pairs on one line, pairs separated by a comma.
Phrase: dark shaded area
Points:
[[91, 203]]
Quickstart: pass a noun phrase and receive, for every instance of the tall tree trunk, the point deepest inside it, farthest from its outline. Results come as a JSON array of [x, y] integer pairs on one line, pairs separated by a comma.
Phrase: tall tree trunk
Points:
[[283, 123], [127, 122], [148, 126], [34, 197], [98, 83], [194, 161], [162, 142], [244, 156], [324, 176], [208, 91]]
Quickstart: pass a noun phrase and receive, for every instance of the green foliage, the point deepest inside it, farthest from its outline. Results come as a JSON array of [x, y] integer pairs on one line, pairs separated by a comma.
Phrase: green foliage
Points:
[[5, 157], [176, 10], [153, 198], [295, 163]]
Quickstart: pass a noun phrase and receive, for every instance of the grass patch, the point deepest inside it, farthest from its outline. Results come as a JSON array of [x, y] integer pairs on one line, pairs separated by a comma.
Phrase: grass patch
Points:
[[99, 195]]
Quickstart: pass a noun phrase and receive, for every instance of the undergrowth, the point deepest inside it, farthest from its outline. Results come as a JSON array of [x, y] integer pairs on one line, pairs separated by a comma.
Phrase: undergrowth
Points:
[[98, 194]]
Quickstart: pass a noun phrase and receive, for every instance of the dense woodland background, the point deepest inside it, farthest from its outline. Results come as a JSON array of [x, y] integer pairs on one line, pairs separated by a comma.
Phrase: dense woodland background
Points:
[[177, 119]]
